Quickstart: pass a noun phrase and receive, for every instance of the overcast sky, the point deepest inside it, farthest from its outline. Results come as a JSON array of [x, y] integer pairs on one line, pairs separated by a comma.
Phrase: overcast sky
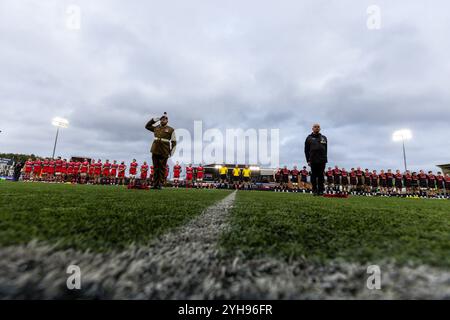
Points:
[[258, 64]]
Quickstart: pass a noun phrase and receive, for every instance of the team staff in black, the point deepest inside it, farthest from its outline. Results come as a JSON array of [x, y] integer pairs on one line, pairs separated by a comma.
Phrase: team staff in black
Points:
[[316, 152], [18, 169]]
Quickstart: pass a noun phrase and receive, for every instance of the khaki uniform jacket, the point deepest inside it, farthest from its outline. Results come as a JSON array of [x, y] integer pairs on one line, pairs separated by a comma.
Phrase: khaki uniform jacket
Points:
[[165, 140]]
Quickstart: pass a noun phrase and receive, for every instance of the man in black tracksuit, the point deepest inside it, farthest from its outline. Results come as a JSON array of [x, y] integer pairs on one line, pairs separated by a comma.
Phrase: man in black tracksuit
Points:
[[18, 169], [316, 147]]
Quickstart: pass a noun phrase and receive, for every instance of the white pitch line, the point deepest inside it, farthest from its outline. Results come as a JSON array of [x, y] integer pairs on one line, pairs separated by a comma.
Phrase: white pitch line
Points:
[[171, 267]]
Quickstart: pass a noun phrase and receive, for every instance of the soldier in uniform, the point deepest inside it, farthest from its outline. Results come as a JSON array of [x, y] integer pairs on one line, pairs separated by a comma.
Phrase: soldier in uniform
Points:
[[163, 147]]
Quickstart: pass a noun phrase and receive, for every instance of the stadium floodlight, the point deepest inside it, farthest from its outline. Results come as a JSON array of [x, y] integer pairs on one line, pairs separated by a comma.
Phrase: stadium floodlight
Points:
[[402, 135], [58, 123]]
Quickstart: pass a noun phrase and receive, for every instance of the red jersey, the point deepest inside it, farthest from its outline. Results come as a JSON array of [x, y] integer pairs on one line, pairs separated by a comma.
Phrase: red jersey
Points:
[[64, 167], [200, 172], [85, 167], [58, 166], [114, 168], [176, 172], [278, 175], [304, 173], [51, 167], [29, 166], [189, 173], [344, 173], [45, 166], [76, 167], [37, 166], [106, 169], [70, 167], [295, 173], [144, 171], [133, 168], [98, 168], [122, 169], [91, 169]]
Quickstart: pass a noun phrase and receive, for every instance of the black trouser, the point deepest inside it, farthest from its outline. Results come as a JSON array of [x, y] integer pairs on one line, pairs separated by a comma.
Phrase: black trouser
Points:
[[317, 177], [16, 175], [159, 165]]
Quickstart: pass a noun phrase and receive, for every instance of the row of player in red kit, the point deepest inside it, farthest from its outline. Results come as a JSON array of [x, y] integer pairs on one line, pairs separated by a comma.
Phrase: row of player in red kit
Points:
[[40, 167], [198, 172], [60, 166], [75, 167]]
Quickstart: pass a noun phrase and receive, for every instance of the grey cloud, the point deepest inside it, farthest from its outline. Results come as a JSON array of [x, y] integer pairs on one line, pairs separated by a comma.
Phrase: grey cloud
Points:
[[255, 64]]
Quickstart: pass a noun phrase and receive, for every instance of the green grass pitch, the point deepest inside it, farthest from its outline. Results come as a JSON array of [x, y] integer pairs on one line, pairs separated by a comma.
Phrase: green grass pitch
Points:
[[284, 225], [97, 218], [357, 229]]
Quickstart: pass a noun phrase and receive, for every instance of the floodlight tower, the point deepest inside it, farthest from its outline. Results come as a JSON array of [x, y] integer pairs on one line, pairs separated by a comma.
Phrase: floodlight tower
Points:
[[58, 123], [402, 135]]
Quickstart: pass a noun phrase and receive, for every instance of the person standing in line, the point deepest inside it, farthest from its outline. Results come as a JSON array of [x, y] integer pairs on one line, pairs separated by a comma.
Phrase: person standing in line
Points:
[[121, 173], [189, 176], [285, 179], [246, 174], [237, 177], [223, 172], [84, 171], [200, 173], [113, 173], [316, 153], [176, 175], [295, 173], [144, 174], [133, 172]]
